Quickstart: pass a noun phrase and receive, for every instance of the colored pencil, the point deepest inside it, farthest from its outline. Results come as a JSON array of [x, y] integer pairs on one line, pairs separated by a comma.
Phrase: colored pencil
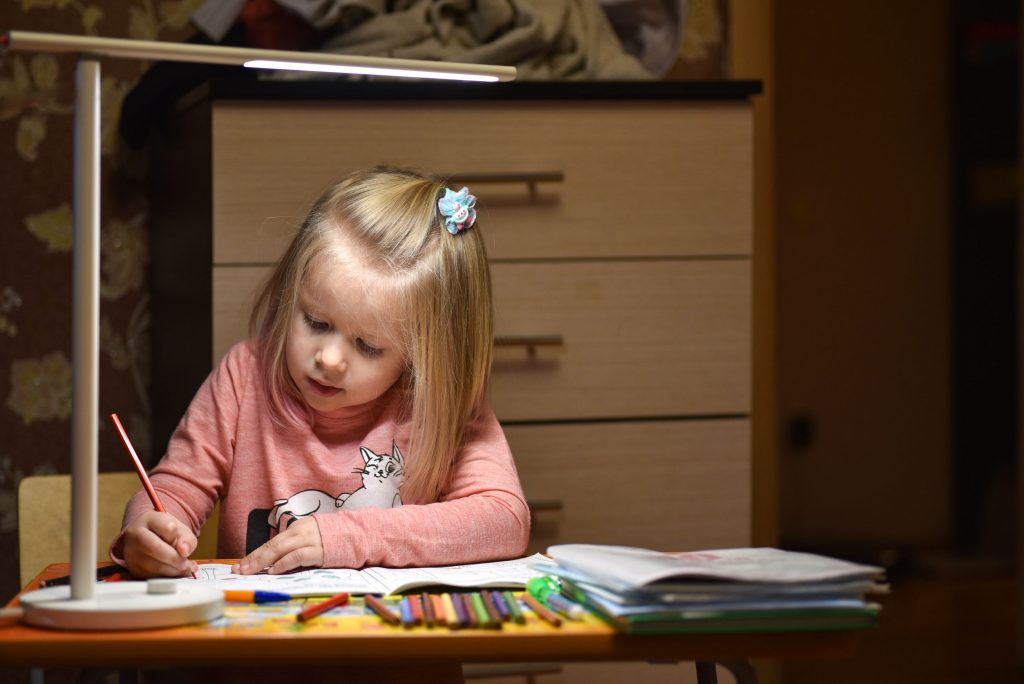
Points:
[[147, 485], [513, 608], [499, 603], [312, 611], [467, 605], [416, 609], [480, 610], [541, 610], [439, 612], [493, 614], [451, 615], [405, 613], [385, 613], [428, 609], [460, 610]]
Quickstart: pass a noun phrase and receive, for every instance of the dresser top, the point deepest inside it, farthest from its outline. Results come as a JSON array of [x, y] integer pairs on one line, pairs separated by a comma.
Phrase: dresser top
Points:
[[324, 89]]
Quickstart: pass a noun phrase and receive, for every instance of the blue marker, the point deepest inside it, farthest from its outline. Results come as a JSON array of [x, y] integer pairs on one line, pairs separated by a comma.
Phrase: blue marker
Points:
[[569, 609]]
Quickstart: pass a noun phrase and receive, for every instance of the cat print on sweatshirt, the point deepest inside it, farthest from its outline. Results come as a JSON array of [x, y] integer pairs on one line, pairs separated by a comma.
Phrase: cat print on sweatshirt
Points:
[[382, 476]]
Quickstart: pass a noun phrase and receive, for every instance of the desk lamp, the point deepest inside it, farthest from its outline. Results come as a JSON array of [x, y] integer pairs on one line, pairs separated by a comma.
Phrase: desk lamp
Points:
[[85, 604]]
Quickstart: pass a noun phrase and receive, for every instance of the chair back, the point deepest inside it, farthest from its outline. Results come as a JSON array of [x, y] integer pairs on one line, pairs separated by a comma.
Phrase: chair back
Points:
[[44, 520]]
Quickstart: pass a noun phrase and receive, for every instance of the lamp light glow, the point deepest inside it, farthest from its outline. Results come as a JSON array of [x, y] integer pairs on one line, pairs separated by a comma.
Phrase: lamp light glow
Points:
[[367, 70]]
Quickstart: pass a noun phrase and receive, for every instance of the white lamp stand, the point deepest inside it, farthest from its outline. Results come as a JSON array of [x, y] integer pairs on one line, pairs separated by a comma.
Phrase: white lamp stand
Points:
[[123, 605]]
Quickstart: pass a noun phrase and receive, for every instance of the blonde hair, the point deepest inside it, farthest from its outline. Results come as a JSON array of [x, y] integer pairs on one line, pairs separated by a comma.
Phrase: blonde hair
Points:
[[444, 288]]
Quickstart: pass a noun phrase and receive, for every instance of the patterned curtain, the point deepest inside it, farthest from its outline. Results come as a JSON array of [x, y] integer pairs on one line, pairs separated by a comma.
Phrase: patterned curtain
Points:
[[36, 101]]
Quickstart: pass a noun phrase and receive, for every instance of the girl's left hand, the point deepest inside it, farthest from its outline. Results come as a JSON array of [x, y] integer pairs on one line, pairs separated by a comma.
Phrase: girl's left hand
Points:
[[299, 546]]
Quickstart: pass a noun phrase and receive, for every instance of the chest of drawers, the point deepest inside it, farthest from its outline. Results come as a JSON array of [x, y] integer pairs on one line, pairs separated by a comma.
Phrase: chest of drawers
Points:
[[618, 224]]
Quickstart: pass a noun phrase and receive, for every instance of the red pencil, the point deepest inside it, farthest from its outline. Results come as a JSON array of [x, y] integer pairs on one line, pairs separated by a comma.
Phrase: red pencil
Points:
[[322, 607], [154, 499], [417, 611]]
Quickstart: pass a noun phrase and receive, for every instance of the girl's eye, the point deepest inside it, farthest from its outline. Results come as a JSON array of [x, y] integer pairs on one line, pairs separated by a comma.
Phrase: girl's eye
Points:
[[314, 324], [367, 349]]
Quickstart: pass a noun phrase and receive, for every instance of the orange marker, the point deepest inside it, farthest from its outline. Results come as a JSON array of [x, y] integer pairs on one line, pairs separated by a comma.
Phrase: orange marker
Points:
[[154, 499]]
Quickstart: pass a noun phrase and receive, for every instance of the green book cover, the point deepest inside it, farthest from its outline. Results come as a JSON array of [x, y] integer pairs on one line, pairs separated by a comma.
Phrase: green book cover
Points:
[[680, 621], [755, 621]]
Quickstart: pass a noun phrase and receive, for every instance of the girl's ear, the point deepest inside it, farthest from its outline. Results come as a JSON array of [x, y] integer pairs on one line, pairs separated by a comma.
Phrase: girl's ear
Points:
[[366, 454], [396, 454]]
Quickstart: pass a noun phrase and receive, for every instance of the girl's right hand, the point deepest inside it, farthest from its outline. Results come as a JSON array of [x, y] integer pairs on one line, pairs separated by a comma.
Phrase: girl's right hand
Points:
[[158, 545]]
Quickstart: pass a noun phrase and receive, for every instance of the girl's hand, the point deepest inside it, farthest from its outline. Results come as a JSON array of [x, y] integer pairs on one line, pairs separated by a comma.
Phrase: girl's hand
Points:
[[299, 546], [158, 545]]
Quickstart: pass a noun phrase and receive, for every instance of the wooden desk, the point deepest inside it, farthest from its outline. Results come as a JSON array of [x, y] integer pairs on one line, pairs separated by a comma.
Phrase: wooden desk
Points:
[[204, 644]]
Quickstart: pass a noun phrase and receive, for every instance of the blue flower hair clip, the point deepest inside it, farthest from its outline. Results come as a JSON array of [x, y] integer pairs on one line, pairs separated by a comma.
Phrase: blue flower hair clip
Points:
[[458, 210]]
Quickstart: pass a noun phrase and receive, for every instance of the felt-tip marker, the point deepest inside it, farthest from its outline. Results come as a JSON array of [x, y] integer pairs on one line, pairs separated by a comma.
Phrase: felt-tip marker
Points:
[[238, 596], [541, 586], [547, 590], [569, 609]]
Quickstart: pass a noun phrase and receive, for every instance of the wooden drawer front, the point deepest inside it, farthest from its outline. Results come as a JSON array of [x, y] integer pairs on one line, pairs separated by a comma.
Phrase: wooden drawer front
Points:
[[660, 484], [641, 338], [641, 178], [234, 291], [651, 338]]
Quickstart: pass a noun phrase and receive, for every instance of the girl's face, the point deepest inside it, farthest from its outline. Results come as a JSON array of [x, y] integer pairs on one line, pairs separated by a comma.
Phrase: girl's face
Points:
[[340, 350]]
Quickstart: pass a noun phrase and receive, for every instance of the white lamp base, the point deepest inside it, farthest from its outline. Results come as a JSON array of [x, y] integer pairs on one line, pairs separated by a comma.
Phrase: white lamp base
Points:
[[123, 605]]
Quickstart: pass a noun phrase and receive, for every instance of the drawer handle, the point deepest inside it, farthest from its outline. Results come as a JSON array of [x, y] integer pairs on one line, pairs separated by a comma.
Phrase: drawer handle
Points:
[[544, 505], [529, 342], [531, 178]]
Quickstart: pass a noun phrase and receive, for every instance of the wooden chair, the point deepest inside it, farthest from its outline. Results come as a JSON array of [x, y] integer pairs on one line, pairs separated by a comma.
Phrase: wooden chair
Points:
[[44, 519]]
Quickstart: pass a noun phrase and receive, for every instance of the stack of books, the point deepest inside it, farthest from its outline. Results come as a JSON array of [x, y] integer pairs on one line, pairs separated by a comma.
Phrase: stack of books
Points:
[[641, 591]]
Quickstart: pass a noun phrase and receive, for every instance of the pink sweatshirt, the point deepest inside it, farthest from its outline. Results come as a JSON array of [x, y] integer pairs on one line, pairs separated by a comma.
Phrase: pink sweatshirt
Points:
[[228, 448]]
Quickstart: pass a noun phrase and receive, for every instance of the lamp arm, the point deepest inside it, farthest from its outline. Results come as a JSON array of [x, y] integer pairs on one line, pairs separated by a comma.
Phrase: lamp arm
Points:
[[33, 41]]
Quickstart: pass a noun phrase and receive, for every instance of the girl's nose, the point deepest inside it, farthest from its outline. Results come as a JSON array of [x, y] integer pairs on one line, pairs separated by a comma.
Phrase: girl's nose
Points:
[[330, 356]]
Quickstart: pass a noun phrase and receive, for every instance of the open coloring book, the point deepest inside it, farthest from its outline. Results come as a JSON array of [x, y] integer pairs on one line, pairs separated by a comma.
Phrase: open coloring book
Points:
[[329, 581]]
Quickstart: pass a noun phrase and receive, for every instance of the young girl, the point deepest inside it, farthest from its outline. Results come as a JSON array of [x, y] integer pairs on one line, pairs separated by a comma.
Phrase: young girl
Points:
[[352, 428]]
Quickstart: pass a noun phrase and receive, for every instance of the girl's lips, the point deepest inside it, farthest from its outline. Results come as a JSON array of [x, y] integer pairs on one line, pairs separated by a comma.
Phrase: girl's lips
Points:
[[322, 389]]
